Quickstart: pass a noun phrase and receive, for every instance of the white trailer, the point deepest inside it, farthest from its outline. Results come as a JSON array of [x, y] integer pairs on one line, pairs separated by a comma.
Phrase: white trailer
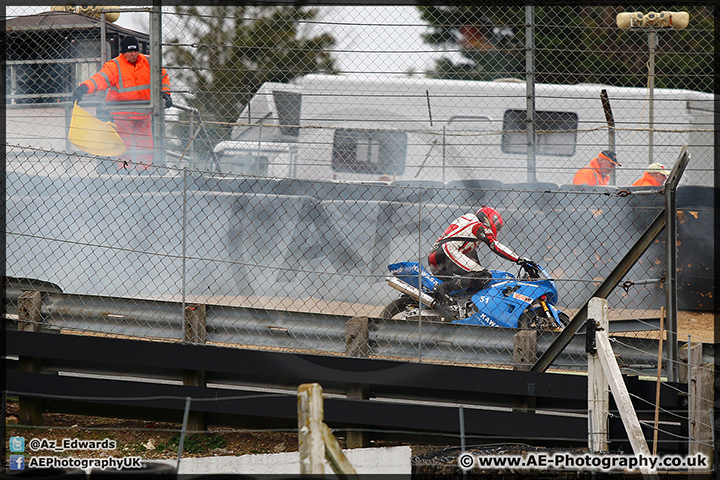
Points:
[[361, 128]]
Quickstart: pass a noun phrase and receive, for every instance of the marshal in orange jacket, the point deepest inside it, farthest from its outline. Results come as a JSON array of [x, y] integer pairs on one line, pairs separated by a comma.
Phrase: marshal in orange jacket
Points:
[[647, 180], [591, 175], [125, 82]]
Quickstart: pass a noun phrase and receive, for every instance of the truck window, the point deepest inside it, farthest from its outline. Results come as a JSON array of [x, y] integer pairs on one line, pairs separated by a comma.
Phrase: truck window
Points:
[[369, 151], [556, 132]]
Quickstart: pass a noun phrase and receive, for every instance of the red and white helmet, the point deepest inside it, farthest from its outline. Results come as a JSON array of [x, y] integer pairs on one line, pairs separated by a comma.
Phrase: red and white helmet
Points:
[[490, 217]]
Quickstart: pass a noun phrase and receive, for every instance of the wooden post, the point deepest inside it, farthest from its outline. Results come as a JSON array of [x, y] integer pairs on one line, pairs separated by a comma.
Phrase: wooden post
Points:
[[598, 393], [335, 456], [657, 382], [195, 324], [524, 349], [700, 406], [29, 320], [620, 391], [683, 364], [357, 344], [195, 333], [310, 437], [524, 357], [29, 317], [357, 337]]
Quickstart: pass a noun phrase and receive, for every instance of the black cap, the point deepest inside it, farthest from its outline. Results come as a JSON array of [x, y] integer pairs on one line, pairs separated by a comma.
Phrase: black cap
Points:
[[610, 155], [129, 44]]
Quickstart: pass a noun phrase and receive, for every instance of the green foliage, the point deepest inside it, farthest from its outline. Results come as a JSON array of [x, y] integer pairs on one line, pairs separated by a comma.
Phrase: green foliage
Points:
[[194, 443], [573, 44], [234, 50]]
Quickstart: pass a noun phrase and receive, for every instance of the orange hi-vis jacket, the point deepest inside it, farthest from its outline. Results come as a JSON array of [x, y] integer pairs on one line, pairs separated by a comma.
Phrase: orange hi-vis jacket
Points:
[[591, 175], [126, 82], [647, 180]]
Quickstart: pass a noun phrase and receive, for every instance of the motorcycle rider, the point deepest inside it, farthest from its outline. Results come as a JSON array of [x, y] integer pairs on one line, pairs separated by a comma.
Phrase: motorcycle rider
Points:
[[454, 255]]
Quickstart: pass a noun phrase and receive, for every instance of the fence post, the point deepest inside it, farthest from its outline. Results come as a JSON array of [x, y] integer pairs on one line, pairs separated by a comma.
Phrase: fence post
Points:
[[524, 357], [620, 392], [700, 405], [196, 334], [29, 320], [357, 344], [310, 439], [598, 393]]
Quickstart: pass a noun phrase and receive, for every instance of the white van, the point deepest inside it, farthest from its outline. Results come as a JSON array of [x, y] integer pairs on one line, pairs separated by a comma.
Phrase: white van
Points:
[[360, 128]]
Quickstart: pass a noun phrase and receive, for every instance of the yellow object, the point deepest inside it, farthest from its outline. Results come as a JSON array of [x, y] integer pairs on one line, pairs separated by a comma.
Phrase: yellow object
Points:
[[94, 136]]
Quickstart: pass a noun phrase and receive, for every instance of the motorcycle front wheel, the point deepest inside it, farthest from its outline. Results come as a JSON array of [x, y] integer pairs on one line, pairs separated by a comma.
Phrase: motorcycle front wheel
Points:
[[534, 318]]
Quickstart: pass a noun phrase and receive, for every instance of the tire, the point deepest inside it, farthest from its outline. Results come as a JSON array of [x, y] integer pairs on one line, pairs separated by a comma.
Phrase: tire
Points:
[[528, 318], [395, 307], [564, 319]]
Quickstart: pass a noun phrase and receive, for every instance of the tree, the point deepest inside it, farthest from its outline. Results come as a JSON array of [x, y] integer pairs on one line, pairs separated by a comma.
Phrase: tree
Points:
[[573, 44], [234, 50], [488, 50]]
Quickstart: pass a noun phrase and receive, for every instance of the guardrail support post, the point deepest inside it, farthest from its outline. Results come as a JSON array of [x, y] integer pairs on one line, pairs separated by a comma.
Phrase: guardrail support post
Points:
[[524, 357], [195, 333], [29, 320], [357, 344]]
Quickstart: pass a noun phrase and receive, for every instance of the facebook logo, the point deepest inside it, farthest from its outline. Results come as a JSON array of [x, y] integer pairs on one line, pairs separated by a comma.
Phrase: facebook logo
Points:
[[17, 444], [17, 462]]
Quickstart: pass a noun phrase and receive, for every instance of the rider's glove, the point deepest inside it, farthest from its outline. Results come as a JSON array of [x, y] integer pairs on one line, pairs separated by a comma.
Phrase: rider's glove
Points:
[[79, 92], [524, 261]]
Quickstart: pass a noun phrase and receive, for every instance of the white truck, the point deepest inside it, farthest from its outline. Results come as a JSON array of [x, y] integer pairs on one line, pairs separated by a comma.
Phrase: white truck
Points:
[[365, 128]]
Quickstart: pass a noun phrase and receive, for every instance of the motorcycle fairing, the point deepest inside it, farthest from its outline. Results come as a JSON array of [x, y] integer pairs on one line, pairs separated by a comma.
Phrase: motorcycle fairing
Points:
[[502, 307], [408, 273]]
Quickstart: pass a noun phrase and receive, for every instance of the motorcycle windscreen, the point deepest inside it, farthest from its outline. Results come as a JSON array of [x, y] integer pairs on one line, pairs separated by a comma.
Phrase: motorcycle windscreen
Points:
[[408, 272]]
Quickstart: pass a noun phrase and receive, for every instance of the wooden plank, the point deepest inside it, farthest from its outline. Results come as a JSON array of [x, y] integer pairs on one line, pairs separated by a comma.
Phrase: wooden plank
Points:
[[598, 389], [335, 456], [310, 439]]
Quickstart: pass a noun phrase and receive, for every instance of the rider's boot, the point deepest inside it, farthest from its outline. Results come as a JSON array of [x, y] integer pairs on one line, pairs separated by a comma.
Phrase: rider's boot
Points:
[[441, 292]]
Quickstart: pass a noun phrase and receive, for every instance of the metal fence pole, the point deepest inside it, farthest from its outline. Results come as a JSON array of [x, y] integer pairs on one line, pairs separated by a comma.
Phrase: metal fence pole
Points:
[[530, 90], [156, 100], [184, 238]]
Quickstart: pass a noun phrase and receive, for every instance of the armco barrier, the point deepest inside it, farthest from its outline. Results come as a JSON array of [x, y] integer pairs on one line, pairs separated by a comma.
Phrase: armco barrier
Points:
[[315, 332]]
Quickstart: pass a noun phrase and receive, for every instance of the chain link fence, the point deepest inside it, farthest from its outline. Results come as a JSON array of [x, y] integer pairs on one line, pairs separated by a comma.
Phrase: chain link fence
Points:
[[309, 148]]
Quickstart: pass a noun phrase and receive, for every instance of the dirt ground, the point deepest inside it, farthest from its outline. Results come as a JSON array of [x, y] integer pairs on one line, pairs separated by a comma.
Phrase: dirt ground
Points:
[[699, 325], [149, 440]]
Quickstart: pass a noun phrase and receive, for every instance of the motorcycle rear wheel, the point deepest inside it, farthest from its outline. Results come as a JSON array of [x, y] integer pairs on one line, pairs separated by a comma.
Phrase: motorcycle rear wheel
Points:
[[396, 307]]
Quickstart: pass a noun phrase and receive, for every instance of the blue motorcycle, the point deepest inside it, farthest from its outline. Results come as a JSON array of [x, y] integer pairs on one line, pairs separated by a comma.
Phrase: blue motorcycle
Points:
[[527, 302]]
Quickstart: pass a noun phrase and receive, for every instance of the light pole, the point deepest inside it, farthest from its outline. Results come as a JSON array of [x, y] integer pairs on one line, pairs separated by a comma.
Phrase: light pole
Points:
[[652, 21], [678, 21]]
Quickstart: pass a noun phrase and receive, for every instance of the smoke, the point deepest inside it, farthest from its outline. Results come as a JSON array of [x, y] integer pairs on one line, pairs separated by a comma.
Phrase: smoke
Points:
[[145, 236]]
